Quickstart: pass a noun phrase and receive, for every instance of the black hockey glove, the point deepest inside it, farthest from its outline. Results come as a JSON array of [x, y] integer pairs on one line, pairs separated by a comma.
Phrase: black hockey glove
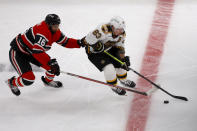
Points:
[[98, 47], [55, 69], [127, 60], [127, 63], [82, 42]]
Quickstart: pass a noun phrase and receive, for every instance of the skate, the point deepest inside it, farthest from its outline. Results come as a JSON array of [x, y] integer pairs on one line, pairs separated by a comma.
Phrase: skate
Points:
[[15, 90], [119, 91], [55, 84], [128, 83]]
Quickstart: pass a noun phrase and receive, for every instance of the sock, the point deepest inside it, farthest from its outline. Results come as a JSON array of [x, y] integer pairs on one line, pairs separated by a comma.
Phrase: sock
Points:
[[49, 77]]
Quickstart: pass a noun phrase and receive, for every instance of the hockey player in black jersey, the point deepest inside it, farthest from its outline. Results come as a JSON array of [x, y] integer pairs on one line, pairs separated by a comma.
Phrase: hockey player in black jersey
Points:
[[109, 36]]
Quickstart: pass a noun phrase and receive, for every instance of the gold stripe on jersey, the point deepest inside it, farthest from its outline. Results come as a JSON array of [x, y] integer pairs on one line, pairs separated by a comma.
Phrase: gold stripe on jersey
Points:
[[120, 48]]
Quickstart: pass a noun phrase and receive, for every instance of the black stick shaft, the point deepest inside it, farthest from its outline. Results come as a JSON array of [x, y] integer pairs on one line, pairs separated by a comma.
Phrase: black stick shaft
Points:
[[177, 97]]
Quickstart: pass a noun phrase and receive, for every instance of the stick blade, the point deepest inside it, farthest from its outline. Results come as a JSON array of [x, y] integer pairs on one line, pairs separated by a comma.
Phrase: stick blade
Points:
[[151, 91], [181, 98]]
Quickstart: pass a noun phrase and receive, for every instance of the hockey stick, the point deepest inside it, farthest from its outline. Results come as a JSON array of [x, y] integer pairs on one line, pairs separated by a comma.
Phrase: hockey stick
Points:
[[156, 85], [100, 82]]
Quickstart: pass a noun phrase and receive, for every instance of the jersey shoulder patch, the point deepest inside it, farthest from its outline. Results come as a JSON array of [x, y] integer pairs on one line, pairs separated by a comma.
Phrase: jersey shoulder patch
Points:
[[106, 29]]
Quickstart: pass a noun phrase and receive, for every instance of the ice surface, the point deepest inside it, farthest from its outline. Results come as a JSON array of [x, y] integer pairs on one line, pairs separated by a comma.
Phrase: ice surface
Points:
[[178, 73], [86, 106]]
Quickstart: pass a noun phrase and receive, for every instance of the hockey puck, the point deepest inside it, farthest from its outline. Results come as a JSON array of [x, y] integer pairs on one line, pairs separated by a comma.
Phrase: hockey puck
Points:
[[166, 102]]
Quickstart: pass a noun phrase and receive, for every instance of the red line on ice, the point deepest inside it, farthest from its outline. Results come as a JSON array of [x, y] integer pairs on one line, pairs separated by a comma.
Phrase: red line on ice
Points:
[[140, 105]]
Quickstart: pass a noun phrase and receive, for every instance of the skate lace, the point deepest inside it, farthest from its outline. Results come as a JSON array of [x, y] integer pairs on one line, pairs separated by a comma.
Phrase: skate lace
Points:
[[127, 82], [14, 88], [118, 90]]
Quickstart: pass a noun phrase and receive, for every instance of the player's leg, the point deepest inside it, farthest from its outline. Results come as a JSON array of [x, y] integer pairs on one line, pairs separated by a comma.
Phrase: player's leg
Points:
[[21, 64], [122, 76], [110, 74], [48, 79], [111, 78], [120, 72], [103, 63]]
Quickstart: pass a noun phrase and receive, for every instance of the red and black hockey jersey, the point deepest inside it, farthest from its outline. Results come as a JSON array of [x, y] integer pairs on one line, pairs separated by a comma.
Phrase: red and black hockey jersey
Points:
[[39, 39]]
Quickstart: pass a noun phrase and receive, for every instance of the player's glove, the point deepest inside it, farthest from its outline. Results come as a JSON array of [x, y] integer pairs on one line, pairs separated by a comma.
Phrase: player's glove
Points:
[[127, 60], [55, 69], [127, 63], [98, 47], [82, 42]]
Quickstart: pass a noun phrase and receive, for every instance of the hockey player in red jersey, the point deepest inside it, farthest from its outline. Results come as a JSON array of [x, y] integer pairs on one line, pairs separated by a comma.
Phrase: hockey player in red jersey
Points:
[[31, 47]]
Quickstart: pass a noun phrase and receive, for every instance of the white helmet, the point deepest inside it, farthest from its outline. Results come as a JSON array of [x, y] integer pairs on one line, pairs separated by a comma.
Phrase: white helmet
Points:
[[117, 22]]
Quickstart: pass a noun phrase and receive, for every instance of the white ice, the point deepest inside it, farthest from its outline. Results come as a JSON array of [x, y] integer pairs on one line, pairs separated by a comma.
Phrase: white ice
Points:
[[86, 106]]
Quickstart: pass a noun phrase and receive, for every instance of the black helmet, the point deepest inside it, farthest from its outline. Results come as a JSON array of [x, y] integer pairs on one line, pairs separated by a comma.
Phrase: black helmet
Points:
[[52, 19]]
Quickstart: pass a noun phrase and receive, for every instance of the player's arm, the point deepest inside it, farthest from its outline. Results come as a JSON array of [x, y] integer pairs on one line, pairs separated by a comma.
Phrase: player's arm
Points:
[[68, 42], [121, 52], [38, 51], [120, 48]]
